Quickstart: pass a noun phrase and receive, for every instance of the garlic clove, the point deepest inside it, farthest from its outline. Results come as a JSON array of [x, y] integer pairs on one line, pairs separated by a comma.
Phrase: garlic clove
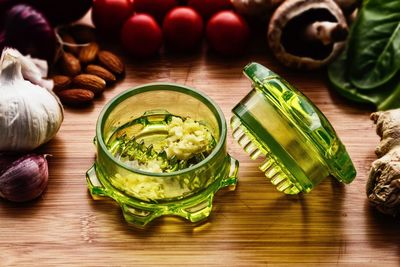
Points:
[[6, 161], [25, 179]]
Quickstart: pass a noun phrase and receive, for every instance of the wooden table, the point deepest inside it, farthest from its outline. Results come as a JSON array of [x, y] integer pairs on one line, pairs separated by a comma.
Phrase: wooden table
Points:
[[252, 226]]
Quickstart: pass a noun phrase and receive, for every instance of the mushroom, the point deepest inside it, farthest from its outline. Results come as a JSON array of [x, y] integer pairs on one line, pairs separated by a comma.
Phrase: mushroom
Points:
[[348, 6], [258, 8], [307, 34]]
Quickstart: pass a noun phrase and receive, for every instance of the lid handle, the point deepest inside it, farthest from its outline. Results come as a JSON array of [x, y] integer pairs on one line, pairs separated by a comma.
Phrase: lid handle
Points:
[[258, 73]]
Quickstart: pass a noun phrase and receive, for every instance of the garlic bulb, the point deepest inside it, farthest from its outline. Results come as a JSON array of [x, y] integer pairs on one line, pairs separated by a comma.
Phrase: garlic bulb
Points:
[[30, 115]]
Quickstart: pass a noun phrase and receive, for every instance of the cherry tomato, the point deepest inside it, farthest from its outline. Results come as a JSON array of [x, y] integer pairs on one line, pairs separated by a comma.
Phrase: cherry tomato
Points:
[[207, 8], [141, 36], [157, 8], [183, 29], [109, 15], [227, 33]]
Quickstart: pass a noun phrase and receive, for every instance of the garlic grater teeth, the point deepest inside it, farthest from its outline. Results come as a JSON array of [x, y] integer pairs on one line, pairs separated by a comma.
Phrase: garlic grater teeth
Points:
[[274, 171]]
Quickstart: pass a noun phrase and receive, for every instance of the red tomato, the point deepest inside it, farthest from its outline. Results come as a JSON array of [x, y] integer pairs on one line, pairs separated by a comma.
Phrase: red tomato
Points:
[[207, 8], [227, 33], [109, 15], [157, 8], [141, 36], [183, 29]]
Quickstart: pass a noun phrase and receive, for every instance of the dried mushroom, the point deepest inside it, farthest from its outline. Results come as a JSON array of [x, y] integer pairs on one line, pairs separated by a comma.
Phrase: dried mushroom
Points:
[[383, 186], [307, 33]]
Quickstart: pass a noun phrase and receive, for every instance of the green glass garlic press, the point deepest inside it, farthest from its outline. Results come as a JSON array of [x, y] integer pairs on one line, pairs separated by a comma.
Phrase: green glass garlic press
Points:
[[298, 145], [144, 195]]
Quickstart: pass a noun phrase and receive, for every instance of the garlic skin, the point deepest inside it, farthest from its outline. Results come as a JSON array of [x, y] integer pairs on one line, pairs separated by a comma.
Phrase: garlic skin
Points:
[[6, 161], [25, 179], [34, 70], [30, 115]]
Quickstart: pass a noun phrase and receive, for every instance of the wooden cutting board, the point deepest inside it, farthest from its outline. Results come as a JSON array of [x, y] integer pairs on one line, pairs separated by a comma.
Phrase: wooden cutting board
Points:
[[252, 226]]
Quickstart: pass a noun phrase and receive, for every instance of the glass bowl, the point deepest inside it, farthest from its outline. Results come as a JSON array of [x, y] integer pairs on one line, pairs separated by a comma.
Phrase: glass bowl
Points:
[[142, 195]]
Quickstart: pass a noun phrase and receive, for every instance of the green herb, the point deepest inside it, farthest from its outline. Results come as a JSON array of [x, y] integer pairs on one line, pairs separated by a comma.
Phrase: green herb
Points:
[[368, 71]]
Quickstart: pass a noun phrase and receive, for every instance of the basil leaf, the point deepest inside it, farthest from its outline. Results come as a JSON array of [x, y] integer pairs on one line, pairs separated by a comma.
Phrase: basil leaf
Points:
[[385, 97], [339, 81], [374, 44]]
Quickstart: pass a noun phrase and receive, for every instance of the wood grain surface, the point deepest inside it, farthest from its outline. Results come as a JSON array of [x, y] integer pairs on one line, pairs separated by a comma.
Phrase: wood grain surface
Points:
[[252, 226]]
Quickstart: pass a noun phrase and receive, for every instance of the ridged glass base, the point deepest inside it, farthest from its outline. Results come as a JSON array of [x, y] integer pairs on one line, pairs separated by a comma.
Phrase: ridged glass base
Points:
[[139, 213]]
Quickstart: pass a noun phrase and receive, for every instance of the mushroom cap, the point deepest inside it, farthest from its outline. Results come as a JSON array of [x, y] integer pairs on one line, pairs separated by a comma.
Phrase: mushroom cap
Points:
[[348, 6], [255, 7], [291, 9]]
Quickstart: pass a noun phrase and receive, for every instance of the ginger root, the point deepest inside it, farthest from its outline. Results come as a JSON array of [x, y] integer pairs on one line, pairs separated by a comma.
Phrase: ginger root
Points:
[[383, 186]]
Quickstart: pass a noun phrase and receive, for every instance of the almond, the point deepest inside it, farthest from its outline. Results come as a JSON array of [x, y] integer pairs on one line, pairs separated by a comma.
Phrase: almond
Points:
[[70, 64], [88, 53], [111, 62], [70, 44], [91, 82], [61, 82], [75, 96], [101, 72]]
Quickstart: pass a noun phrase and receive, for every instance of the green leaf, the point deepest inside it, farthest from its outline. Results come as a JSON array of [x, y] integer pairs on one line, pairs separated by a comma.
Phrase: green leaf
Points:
[[374, 44], [385, 97]]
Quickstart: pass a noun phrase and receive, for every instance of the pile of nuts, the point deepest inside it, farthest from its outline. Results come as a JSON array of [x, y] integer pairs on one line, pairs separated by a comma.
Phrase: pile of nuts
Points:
[[86, 70]]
